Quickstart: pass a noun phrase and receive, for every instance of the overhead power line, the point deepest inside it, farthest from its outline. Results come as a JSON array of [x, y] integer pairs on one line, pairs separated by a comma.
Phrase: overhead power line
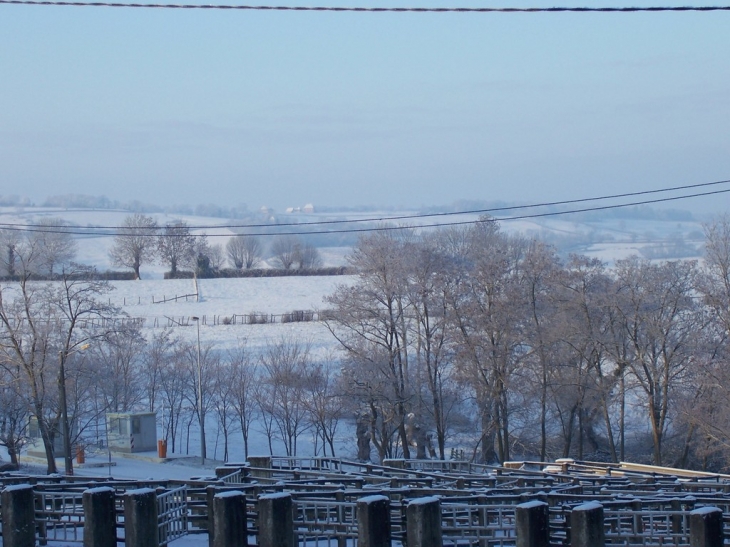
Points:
[[626, 9], [389, 218], [75, 231]]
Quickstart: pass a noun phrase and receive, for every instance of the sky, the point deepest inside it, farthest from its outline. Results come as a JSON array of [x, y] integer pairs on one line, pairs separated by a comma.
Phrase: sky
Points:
[[348, 109]]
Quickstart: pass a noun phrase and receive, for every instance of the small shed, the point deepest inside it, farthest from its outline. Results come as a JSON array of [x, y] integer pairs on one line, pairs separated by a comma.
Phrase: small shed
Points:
[[132, 431]]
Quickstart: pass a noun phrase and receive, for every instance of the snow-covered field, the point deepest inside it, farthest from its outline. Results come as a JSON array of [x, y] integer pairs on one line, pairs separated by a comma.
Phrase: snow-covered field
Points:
[[221, 298]]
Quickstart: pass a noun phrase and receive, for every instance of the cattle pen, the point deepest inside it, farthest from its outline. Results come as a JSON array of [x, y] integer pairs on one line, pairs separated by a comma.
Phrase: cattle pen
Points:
[[330, 502]]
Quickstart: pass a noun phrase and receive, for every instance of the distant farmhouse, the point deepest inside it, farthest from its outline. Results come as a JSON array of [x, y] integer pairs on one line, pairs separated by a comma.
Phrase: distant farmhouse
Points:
[[307, 209]]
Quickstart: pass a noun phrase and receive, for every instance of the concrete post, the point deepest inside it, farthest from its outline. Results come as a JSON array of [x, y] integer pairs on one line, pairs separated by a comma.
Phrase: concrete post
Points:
[[423, 523], [18, 516], [261, 463], [373, 521], [210, 492], [140, 518], [532, 520], [705, 527], [676, 506], [586, 526], [276, 520], [395, 463], [229, 519], [100, 519]]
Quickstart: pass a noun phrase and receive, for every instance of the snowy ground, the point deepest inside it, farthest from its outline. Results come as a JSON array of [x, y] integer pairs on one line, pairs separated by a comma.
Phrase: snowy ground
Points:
[[143, 465], [224, 297]]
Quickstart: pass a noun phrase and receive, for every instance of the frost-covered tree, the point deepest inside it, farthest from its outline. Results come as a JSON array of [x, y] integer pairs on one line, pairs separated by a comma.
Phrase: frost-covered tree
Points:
[[54, 245], [176, 246], [42, 330], [135, 244], [285, 250], [244, 251]]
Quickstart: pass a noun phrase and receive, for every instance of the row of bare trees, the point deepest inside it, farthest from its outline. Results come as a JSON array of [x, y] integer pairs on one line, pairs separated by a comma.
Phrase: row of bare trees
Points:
[[465, 338], [50, 359], [141, 241], [42, 250], [494, 343]]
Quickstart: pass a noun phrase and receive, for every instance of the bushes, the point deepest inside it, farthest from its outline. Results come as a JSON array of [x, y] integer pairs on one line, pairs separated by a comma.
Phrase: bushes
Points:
[[297, 316], [269, 272]]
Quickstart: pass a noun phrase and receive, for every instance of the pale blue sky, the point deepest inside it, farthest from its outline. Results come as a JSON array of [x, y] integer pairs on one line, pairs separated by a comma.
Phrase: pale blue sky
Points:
[[228, 107]]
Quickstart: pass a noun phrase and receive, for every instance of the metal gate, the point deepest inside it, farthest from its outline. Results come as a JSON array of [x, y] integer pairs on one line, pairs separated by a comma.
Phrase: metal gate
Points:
[[59, 516], [172, 515]]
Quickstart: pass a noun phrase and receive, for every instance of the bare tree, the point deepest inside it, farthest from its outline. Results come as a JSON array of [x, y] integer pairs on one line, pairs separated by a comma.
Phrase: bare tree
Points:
[[14, 412], [41, 327], [307, 257], [707, 412], [284, 366], [55, 245], [160, 349], [370, 320], [173, 388], [429, 268], [285, 250], [661, 321], [216, 257], [224, 397], [242, 372], [487, 308], [119, 361], [10, 241], [176, 246], [244, 251], [135, 244], [323, 400], [200, 393]]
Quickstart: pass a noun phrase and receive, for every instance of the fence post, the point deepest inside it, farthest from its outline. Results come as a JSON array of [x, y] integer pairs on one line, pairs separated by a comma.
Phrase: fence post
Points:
[[100, 519], [262, 463], [531, 523], [676, 506], [229, 519], [276, 521], [373, 517], [586, 525], [423, 522], [210, 492], [140, 518], [18, 516], [705, 527]]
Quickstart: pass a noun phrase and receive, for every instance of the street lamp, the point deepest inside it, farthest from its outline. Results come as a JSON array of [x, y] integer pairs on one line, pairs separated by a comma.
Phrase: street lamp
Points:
[[201, 414], [67, 458]]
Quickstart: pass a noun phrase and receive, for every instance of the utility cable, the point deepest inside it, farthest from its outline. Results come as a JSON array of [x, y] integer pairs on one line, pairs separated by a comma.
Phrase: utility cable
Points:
[[378, 228], [369, 9], [417, 216]]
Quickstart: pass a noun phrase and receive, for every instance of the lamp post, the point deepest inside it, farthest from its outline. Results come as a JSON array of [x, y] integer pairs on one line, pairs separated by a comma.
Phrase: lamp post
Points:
[[66, 433], [201, 414]]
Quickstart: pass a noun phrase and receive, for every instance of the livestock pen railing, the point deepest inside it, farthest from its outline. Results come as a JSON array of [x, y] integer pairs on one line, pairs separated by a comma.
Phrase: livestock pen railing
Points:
[[59, 516], [477, 506], [172, 515]]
